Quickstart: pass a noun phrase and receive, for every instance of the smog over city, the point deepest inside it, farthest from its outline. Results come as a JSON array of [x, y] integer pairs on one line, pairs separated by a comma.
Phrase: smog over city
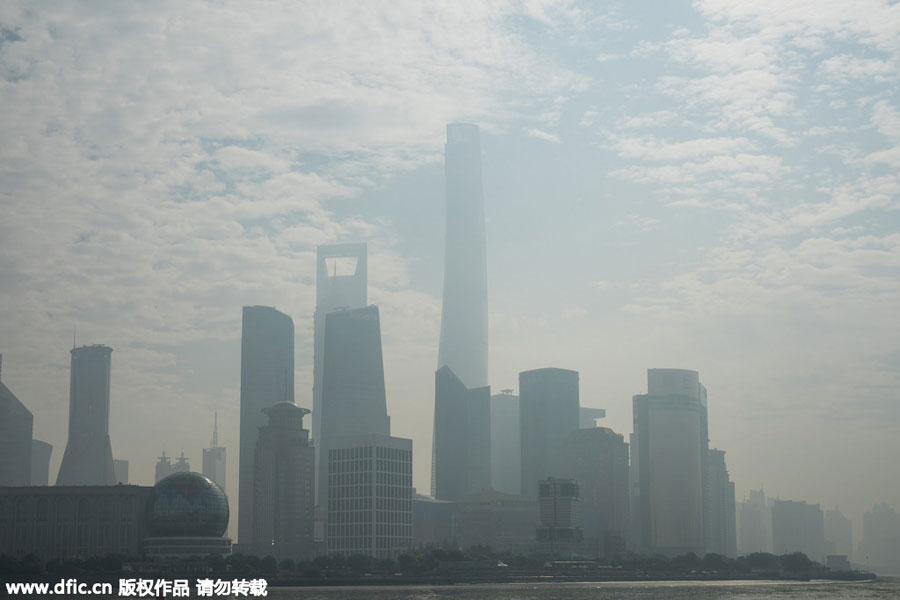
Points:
[[688, 217]]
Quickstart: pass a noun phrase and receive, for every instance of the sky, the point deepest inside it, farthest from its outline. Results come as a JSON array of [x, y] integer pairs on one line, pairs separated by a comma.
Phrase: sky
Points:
[[710, 185]]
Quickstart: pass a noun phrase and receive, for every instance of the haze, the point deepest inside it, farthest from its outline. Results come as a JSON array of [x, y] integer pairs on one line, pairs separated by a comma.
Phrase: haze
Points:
[[713, 186]]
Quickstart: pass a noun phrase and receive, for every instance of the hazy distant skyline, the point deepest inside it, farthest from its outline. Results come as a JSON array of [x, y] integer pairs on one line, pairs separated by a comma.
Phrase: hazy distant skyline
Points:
[[711, 187]]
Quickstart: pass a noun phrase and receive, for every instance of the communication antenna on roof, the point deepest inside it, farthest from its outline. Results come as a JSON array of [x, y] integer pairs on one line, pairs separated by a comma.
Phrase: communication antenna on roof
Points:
[[215, 439], [74, 329]]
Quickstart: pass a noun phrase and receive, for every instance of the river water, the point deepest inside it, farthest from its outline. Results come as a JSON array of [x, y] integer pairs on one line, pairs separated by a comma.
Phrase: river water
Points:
[[675, 590]]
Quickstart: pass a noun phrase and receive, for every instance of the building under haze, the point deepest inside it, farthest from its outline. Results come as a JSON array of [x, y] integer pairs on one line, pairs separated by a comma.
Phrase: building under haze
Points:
[[267, 378], [353, 395], [88, 458], [284, 473], [341, 283], [464, 331], [120, 467], [40, 462], [370, 496], [754, 524], [214, 457], [506, 449], [720, 524], [667, 465], [798, 527], [504, 522], [597, 458], [559, 509], [461, 455], [838, 533], [16, 423], [587, 416], [548, 412], [880, 545]]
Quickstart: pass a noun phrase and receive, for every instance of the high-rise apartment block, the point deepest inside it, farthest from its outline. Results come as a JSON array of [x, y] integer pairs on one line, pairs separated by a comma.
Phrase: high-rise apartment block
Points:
[[267, 378], [283, 485], [667, 461], [370, 496], [461, 457], [798, 527], [548, 412], [720, 523], [88, 458]]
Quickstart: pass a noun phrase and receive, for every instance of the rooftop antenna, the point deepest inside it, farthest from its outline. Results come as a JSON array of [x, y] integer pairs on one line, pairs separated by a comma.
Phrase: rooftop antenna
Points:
[[215, 439], [74, 329]]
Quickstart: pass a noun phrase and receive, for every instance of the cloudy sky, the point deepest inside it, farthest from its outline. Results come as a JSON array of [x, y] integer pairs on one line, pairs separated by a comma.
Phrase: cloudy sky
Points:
[[709, 185]]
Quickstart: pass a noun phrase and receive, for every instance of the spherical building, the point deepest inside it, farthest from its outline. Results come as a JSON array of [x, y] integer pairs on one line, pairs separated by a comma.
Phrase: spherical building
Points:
[[187, 516]]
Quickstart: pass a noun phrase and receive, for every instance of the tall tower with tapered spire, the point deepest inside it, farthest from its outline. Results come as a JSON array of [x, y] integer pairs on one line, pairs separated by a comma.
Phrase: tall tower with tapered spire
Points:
[[462, 354], [464, 333]]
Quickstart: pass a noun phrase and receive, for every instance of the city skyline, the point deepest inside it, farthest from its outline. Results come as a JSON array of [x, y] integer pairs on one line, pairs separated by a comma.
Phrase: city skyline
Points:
[[711, 188]]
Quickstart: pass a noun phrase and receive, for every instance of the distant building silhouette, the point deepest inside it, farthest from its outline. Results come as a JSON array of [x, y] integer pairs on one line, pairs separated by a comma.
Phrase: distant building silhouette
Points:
[[16, 423], [182, 464], [548, 412], [754, 524], [341, 283], [88, 458], [880, 545], [214, 457], [506, 448], [587, 416], [353, 396], [598, 459], [267, 378], [40, 462], [464, 332], [120, 467], [163, 468], [284, 484], [720, 525], [838, 533], [461, 456], [370, 496], [505, 522], [798, 527], [668, 463]]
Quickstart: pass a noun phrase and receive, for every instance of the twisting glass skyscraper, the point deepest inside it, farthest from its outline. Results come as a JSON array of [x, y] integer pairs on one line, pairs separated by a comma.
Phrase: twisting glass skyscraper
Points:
[[267, 378], [464, 333]]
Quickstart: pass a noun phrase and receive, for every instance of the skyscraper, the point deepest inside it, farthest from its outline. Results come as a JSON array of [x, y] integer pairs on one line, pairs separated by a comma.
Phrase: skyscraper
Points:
[[120, 467], [598, 459], [214, 457], [548, 412], [283, 484], [506, 449], [667, 462], [464, 333], [16, 423], [163, 467], [461, 457], [353, 396], [88, 456], [341, 280], [798, 527], [720, 521], [267, 378]]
